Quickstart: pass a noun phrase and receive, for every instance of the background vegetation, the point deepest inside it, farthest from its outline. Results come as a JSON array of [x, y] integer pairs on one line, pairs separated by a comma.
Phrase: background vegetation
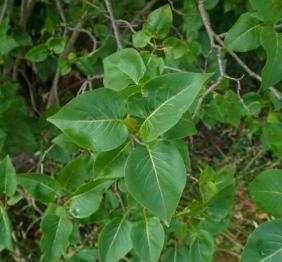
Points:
[[229, 137]]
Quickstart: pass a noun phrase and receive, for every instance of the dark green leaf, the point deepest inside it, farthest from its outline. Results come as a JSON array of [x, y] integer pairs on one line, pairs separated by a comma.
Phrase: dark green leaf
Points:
[[42, 187], [75, 172], [244, 35], [56, 230], [269, 11], [87, 198], [266, 191], [37, 54], [98, 127], [265, 243], [148, 239], [123, 68], [155, 176], [168, 97], [114, 241], [7, 177], [202, 247], [272, 43], [5, 230]]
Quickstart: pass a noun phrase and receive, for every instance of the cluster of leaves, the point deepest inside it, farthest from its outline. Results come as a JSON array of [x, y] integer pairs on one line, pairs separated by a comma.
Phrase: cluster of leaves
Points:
[[121, 163]]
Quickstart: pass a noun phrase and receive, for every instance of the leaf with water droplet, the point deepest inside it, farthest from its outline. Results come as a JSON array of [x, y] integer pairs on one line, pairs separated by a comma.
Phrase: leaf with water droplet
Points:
[[87, 198]]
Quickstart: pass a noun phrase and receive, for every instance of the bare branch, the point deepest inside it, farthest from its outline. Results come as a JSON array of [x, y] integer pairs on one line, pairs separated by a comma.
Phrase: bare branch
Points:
[[143, 11], [217, 43], [53, 98], [114, 26]]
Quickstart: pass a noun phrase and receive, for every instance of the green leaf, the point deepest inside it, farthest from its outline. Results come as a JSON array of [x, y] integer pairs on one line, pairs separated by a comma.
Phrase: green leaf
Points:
[[155, 177], [244, 35], [8, 181], [114, 241], [229, 108], [174, 48], [140, 39], [87, 198], [159, 22], [98, 127], [42, 187], [148, 239], [266, 191], [123, 68], [85, 255], [269, 11], [75, 172], [86, 64], [112, 163], [185, 127], [168, 97], [271, 137], [37, 54], [7, 43], [272, 43], [5, 230], [218, 191], [202, 247], [176, 254], [265, 243], [56, 230], [154, 65], [56, 45]]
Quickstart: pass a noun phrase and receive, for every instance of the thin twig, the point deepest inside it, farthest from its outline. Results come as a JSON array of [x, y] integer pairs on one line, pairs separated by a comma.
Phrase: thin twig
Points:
[[130, 26], [114, 26], [30, 89], [174, 9], [3, 11], [85, 31], [87, 83], [53, 98], [143, 11]]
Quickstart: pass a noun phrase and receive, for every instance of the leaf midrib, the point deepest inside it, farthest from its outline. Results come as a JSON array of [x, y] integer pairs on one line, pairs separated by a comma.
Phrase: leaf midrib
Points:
[[157, 178], [162, 105]]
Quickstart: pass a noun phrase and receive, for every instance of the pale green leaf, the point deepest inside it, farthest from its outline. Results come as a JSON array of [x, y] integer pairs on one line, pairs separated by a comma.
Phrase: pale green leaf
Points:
[[140, 39], [175, 48], [159, 22]]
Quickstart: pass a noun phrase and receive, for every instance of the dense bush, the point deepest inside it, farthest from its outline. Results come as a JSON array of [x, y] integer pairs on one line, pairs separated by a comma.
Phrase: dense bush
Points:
[[140, 130]]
